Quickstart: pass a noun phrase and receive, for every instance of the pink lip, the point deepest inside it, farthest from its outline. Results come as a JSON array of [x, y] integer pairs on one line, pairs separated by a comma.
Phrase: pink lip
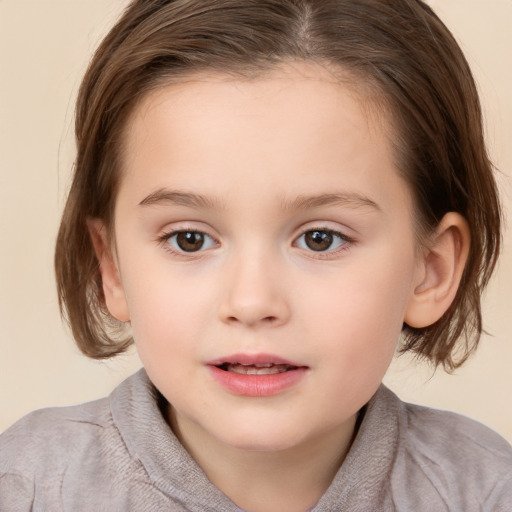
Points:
[[256, 385]]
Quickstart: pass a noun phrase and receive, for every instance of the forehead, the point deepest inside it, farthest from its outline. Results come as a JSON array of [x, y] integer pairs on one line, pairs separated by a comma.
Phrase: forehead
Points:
[[303, 90], [285, 126]]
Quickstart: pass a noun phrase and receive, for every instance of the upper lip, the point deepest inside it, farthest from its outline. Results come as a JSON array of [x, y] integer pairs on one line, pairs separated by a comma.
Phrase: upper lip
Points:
[[250, 359]]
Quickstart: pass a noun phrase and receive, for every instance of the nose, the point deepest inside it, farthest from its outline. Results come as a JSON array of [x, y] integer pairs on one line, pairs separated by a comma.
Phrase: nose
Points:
[[254, 292]]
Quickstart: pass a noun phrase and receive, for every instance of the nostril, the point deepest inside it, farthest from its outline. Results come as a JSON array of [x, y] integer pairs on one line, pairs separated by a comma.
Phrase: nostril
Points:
[[266, 320]]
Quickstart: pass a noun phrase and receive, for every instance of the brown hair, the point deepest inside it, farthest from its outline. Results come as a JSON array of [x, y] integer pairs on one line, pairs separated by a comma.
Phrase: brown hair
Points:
[[398, 46]]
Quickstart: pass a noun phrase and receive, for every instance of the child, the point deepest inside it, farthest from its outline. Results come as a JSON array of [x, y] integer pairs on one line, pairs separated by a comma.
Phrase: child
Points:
[[267, 195]]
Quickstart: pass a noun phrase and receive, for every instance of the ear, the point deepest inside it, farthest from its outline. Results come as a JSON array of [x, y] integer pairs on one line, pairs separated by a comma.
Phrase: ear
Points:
[[110, 277], [440, 272]]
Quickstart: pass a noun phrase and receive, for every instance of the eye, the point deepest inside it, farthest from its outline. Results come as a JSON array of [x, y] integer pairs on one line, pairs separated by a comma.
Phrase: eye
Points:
[[189, 241], [321, 240]]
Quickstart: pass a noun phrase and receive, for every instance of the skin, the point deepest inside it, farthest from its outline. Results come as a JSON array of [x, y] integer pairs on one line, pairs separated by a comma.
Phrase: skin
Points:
[[267, 156]]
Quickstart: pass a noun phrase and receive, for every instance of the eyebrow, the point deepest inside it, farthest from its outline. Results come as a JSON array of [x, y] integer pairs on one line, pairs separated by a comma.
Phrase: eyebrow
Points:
[[163, 196], [354, 199]]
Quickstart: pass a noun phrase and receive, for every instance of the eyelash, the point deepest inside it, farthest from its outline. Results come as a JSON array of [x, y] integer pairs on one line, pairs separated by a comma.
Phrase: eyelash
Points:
[[344, 240]]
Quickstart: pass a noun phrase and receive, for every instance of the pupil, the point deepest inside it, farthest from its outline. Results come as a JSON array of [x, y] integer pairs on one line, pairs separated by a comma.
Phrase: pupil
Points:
[[190, 241], [319, 240]]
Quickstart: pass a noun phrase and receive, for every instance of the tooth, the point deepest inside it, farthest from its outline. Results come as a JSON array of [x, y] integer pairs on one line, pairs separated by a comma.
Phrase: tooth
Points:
[[265, 369], [257, 365]]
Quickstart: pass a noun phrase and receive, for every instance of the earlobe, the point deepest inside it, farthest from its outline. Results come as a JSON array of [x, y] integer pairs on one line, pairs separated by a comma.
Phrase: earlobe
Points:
[[113, 290], [441, 269]]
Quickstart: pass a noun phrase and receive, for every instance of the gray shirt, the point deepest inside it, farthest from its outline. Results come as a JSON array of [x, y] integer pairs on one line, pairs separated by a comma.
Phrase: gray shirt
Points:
[[118, 454]]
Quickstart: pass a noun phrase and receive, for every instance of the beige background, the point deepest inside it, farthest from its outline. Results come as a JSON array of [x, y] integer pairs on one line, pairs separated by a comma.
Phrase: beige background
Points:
[[44, 46]]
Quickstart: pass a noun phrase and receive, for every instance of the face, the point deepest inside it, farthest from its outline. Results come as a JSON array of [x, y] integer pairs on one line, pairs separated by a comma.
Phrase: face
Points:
[[266, 252]]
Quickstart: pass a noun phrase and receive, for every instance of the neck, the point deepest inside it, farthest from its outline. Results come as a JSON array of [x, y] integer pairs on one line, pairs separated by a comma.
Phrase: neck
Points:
[[270, 481]]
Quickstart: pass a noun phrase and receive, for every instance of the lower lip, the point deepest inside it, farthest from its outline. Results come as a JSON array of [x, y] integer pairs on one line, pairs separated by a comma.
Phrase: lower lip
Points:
[[257, 385]]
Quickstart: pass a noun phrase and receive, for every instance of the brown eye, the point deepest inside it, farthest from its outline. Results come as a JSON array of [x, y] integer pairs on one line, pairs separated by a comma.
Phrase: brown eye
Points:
[[318, 240], [189, 241], [321, 240]]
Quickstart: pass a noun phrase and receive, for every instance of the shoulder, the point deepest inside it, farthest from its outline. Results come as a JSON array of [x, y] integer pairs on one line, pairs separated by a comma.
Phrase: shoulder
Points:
[[57, 439], [455, 439], [455, 459], [79, 454], [52, 431], [39, 449]]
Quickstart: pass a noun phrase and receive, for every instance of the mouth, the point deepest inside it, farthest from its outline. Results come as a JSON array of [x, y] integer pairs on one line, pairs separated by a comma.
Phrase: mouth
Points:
[[256, 368], [259, 375]]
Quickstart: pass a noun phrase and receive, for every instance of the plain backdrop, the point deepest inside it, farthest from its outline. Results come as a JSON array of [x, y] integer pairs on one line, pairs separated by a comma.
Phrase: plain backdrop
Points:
[[44, 48]]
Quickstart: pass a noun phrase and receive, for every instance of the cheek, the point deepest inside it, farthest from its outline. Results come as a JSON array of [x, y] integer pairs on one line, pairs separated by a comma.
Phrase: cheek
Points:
[[360, 311], [167, 309]]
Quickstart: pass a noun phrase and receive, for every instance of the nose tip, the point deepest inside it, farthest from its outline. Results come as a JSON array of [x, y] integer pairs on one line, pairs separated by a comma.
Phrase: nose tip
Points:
[[266, 312], [254, 297]]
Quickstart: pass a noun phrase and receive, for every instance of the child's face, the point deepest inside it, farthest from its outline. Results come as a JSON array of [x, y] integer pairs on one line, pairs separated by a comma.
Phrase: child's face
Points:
[[293, 241]]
